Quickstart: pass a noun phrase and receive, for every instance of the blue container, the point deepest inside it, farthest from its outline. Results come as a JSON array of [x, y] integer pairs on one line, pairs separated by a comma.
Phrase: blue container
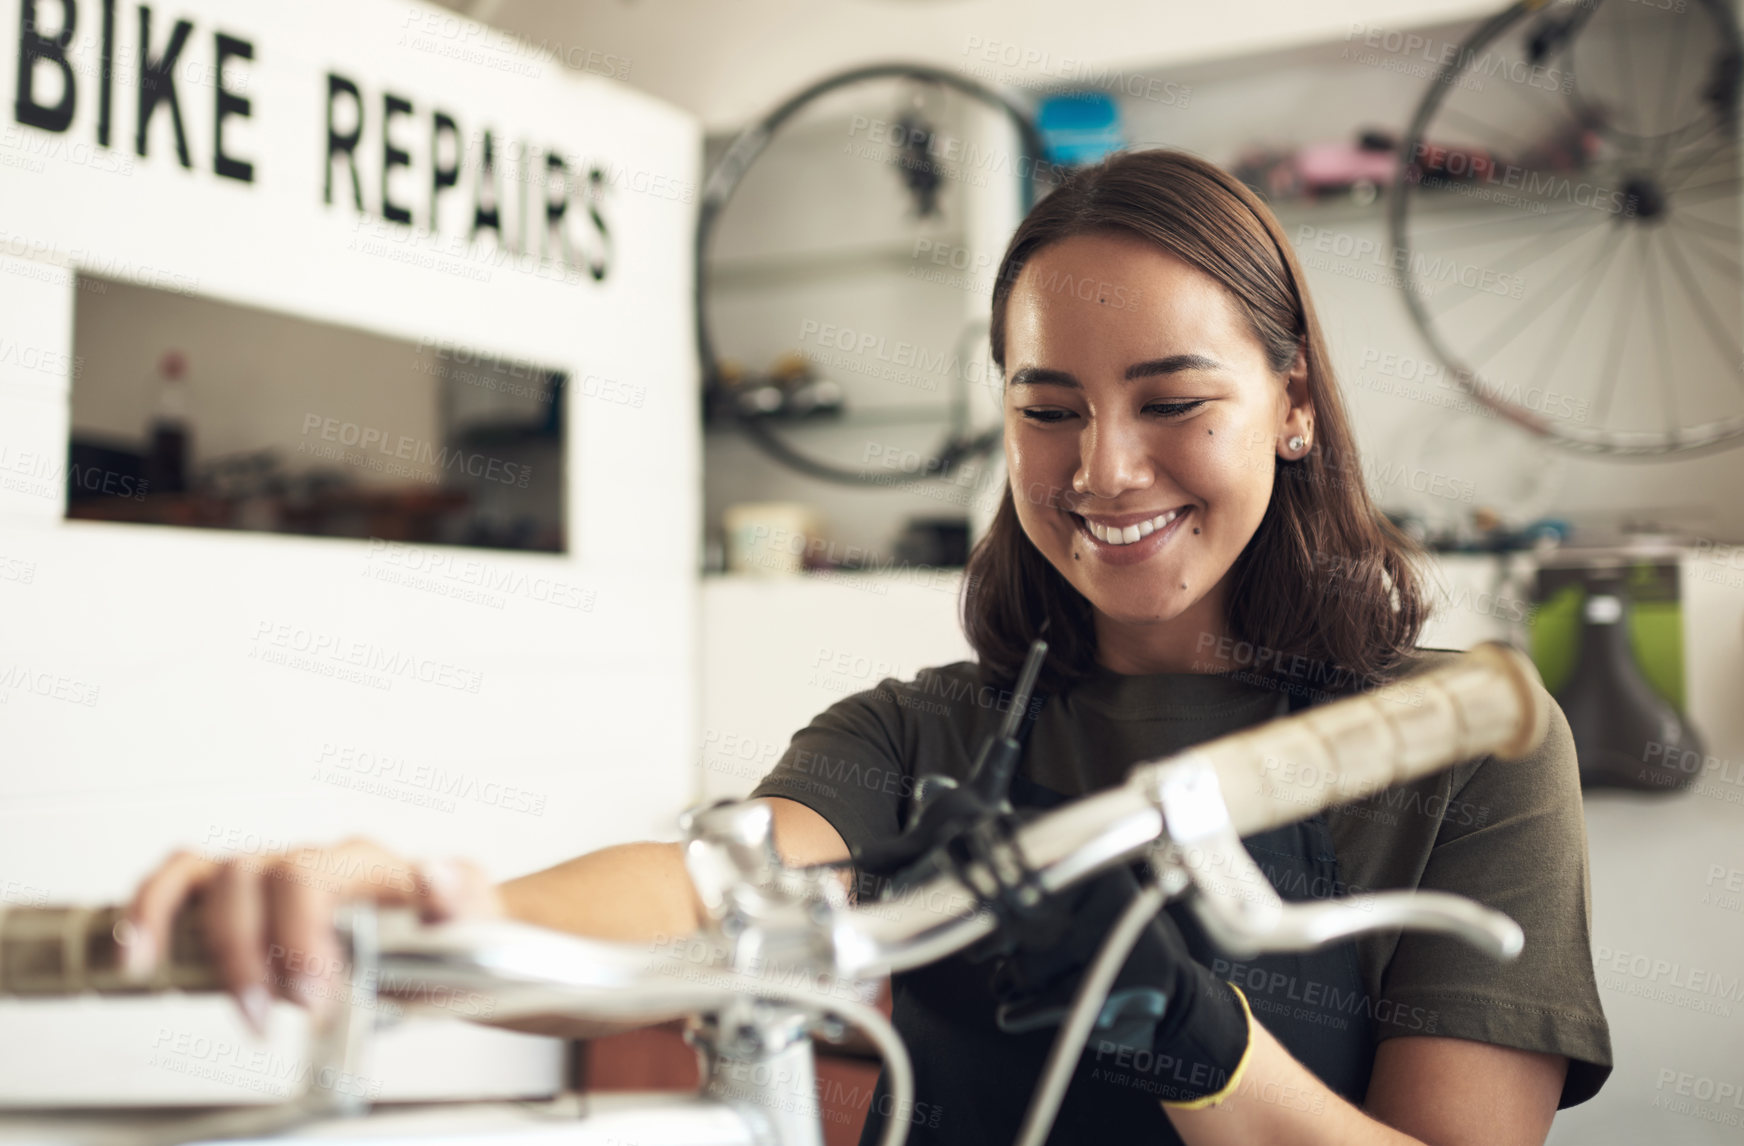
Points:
[[1079, 127]]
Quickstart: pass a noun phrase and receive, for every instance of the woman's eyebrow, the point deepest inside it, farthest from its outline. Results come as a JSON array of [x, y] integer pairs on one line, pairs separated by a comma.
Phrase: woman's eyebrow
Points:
[[1173, 364]]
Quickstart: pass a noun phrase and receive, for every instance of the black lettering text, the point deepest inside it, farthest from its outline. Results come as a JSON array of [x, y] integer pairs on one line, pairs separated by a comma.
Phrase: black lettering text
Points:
[[228, 103], [392, 157], [157, 81], [35, 48], [344, 146], [442, 175]]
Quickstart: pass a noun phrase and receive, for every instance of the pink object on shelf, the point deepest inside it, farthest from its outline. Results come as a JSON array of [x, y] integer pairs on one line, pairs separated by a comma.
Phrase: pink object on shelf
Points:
[[1334, 165]]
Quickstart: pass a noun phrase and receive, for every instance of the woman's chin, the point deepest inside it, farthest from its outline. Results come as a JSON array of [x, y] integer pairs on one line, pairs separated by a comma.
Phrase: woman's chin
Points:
[[1127, 611]]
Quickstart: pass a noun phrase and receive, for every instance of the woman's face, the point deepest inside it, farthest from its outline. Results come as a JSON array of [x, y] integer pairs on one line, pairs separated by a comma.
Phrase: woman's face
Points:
[[1138, 403]]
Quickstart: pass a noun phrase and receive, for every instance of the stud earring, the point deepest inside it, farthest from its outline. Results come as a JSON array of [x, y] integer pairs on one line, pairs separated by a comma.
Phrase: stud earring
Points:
[[1296, 442]]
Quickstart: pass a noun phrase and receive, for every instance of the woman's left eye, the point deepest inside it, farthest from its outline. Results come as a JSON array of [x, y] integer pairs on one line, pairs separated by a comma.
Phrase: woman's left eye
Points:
[[1170, 409]]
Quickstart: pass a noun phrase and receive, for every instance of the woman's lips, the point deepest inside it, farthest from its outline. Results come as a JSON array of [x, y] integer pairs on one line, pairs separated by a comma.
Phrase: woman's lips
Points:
[[1141, 550]]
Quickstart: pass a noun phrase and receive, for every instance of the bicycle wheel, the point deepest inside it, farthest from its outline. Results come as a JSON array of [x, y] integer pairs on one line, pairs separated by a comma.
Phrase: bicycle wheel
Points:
[[1566, 219], [917, 395]]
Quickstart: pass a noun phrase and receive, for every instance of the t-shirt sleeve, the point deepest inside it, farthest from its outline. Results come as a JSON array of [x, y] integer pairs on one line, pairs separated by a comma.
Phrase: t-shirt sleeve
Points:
[[850, 765], [1513, 837]]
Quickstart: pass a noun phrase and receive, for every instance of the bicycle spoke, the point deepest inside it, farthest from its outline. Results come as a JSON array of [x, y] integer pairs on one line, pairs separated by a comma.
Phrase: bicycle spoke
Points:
[[1485, 129], [1718, 187], [1552, 237], [1728, 211], [1717, 258], [1577, 311], [1669, 94], [1524, 316], [1688, 220], [1701, 171], [1711, 322], [1614, 359], [1564, 215], [1689, 148], [1675, 180], [1657, 327]]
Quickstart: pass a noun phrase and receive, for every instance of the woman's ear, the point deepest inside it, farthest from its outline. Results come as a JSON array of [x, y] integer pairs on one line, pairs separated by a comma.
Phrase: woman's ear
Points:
[[1296, 431]]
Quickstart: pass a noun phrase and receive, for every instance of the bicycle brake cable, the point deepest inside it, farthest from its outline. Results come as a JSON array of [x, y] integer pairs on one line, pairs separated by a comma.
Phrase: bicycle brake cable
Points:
[[1087, 1004]]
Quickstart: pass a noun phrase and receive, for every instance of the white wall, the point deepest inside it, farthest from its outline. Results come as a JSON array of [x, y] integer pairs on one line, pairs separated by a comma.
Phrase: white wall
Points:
[[778, 651], [169, 729]]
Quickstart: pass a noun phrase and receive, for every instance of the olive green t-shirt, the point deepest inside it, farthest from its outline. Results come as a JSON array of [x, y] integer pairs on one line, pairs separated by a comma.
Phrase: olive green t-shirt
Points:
[[1508, 834]]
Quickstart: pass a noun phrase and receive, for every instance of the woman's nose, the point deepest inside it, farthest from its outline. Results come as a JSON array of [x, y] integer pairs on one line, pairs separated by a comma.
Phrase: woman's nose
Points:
[[1113, 458]]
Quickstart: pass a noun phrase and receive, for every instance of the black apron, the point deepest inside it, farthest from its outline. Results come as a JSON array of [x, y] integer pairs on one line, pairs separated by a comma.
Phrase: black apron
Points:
[[974, 1081]]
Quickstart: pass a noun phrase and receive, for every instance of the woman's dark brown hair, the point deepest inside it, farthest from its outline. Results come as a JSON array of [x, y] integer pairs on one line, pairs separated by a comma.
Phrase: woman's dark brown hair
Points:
[[1327, 596]]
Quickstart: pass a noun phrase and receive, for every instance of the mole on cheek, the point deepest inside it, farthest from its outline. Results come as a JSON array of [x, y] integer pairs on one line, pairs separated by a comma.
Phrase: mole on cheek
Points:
[[1195, 529]]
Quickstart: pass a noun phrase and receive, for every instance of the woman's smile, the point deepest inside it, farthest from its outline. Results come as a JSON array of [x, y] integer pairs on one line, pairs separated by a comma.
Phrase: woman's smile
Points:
[[1129, 538]]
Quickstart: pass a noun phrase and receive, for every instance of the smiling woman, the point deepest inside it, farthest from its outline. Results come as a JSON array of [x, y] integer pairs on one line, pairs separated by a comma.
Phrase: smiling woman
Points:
[[1195, 383], [1180, 503], [1186, 524]]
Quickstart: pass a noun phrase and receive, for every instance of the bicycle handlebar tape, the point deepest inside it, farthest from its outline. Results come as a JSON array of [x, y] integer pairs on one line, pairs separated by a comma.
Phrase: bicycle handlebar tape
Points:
[[61, 950], [1487, 702], [1192, 1029]]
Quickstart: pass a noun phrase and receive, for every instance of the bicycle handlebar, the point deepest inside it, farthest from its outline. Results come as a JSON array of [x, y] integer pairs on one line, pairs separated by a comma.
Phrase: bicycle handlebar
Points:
[[1488, 702]]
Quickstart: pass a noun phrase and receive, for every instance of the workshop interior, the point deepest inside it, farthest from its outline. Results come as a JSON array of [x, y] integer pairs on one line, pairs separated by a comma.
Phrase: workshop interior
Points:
[[495, 427]]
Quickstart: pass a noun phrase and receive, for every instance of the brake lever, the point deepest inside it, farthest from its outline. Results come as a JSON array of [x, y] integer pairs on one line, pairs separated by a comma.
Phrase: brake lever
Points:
[[1242, 912], [943, 810]]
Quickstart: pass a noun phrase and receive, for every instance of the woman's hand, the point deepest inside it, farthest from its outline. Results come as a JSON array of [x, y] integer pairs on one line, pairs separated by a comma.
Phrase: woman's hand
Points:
[[1162, 1003], [267, 920]]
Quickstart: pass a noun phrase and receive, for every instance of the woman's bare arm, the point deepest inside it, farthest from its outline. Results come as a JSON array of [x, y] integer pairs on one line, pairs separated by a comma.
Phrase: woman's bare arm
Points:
[[635, 892], [641, 893]]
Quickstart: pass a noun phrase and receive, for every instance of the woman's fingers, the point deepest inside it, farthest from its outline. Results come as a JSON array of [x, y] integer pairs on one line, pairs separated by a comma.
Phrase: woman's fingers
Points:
[[363, 869], [303, 950], [268, 921], [303, 888], [452, 888], [145, 934], [233, 916]]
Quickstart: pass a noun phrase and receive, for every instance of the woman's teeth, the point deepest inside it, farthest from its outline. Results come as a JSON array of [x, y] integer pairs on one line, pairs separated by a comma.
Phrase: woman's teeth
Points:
[[1132, 533]]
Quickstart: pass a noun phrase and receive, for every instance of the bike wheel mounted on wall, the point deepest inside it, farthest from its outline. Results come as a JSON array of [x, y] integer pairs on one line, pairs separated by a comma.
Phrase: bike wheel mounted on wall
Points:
[[900, 151], [1565, 223]]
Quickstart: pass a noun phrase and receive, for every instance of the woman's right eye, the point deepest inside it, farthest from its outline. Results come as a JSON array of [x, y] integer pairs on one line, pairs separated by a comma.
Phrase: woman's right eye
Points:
[[1044, 414]]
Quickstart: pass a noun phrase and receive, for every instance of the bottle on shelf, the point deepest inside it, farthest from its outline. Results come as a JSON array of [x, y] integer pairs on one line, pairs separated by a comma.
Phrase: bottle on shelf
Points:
[[171, 446]]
